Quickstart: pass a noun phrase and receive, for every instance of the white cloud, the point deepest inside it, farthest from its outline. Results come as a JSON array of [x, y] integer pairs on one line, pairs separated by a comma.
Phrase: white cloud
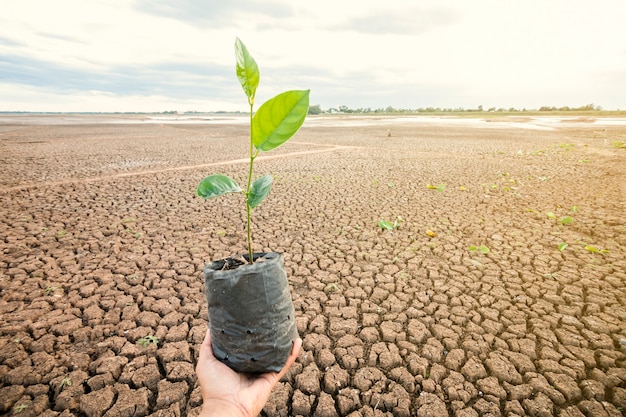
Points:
[[358, 53]]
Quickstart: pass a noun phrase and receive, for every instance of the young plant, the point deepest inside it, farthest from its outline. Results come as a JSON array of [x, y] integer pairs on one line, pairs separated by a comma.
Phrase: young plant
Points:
[[482, 249], [275, 122], [146, 340], [386, 225], [439, 187]]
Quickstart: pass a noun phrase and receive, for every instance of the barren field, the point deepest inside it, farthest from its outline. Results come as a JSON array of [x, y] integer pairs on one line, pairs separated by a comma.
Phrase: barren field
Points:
[[501, 293]]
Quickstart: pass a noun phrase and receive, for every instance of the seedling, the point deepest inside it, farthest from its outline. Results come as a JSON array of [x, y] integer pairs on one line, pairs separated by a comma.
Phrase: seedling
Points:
[[66, 382], [385, 225], [482, 249], [275, 122], [146, 340], [439, 187], [562, 246], [566, 220], [50, 290], [551, 215], [332, 287], [595, 250], [19, 408]]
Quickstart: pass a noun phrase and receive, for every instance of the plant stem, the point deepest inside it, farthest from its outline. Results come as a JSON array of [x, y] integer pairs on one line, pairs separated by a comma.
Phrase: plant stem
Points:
[[248, 208]]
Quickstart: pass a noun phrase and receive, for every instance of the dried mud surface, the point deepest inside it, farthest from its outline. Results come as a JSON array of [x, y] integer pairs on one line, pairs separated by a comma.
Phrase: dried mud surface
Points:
[[103, 242]]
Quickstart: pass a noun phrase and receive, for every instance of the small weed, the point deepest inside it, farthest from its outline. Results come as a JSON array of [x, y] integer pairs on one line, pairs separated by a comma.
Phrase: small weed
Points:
[[543, 179], [50, 290], [583, 161], [619, 144], [385, 225], [562, 246], [391, 184], [19, 408], [565, 220], [146, 340], [332, 287], [66, 382], [574, 209], [61, 233], [317, 178], [221, 233], [551, 215], [439, 187], [593, 249], [482, 249]]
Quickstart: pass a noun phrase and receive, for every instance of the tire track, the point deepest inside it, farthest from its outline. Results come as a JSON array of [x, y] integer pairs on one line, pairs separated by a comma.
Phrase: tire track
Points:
[[100, 178]]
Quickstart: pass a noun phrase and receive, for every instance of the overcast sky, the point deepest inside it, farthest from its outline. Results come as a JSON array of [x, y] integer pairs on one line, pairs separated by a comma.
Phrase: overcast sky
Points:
[[157, 55]]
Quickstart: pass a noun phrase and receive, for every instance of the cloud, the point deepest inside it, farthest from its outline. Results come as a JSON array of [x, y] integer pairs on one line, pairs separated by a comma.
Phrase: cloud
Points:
[[216, 14], [412, 21], [173, 79]]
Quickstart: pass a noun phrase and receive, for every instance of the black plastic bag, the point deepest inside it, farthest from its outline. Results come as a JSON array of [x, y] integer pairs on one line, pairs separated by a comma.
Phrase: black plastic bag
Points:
[[251, 313]]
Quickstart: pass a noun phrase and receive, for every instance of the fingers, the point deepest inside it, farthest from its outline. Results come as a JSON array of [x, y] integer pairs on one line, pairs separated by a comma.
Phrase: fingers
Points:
[[295, 351], [206, 351]]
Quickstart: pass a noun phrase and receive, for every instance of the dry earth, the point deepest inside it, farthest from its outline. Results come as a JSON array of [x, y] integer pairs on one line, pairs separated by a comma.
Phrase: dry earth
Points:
[[103, 242]]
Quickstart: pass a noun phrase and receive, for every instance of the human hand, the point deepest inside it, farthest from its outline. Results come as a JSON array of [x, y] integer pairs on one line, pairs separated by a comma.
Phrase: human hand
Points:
[[229, 393]]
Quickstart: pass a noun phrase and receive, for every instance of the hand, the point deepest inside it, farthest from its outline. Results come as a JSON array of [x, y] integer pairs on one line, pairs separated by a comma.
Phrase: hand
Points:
[[229, 393]]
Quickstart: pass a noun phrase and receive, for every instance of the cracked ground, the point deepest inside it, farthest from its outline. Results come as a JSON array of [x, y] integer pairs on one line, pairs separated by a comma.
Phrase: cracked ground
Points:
[[501, 292]]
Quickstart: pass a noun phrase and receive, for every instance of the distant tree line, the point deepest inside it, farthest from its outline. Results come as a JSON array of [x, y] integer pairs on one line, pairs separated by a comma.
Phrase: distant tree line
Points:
[[316, 109]]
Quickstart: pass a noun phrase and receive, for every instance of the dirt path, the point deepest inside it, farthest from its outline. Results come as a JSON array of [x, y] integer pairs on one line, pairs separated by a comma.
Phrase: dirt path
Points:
[[502, 292]]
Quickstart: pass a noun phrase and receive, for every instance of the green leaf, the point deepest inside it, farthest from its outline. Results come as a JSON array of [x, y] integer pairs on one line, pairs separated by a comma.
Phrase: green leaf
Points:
[[279, 118], [247, 70], [562, 246], [217, 185], [566, 220], [259, 190], [484, 249], [551, 215], [383, 224]]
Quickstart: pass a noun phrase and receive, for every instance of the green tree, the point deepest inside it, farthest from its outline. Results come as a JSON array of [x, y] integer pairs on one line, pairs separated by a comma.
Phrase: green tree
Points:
[[315, 109]]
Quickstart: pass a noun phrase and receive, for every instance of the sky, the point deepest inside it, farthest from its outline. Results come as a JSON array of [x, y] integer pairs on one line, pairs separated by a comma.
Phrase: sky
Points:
[[178, 55]]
